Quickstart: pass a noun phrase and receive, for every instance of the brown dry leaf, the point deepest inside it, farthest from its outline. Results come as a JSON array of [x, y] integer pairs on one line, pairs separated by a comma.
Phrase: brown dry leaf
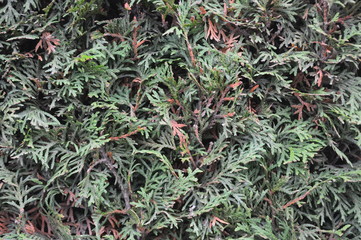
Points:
[[29, 228], [176, 131], [4, 222], [299, 110], [229, 41], [212, 31], [216, 219], [47, 42], [300, 107], [319, 77]]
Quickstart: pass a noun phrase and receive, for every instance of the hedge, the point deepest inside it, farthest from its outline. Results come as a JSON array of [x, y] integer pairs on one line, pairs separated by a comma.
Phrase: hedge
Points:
[[167, 119]]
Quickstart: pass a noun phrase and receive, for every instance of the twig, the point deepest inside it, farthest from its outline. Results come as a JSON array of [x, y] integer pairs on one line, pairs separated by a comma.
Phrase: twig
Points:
[[296, 200], [127, 134]]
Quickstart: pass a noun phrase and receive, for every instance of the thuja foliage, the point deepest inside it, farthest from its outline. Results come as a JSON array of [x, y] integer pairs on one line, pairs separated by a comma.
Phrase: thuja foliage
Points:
[[166, 119]]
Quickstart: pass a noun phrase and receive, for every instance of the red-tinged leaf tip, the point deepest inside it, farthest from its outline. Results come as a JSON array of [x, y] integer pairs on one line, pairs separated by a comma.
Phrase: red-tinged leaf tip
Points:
[[221, 221], [320, 77], [127, 6], [216, 219], [127, 134], [140, 43], [253, 88], [137, 80], [234, 85], [177, 125], [203, 11], [29, 228], [225, 9], [228, 99], [229, 114]]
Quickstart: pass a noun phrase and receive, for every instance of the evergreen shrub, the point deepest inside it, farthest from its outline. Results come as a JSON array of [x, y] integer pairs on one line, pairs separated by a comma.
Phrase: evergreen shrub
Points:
[[167, 119]]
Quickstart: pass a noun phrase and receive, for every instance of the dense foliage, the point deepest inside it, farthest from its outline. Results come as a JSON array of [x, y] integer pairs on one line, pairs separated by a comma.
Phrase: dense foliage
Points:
[[166, 119]]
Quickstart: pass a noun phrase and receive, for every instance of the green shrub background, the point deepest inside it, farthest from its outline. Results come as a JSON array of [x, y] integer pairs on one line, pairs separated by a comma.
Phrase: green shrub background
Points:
[[165, 119]]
